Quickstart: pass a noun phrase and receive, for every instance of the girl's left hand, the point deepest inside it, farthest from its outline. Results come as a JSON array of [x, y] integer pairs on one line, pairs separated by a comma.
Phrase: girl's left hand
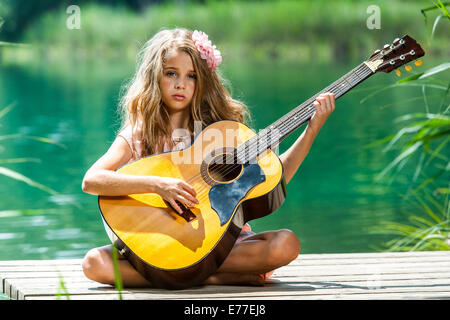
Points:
[[324, 105]]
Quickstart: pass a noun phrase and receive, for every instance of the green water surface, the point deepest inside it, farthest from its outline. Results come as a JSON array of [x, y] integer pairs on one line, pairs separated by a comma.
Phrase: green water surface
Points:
[[331, 201]]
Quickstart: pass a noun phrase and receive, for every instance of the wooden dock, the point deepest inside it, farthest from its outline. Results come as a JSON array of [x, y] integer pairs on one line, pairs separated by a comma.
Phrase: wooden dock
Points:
[[406, 275]]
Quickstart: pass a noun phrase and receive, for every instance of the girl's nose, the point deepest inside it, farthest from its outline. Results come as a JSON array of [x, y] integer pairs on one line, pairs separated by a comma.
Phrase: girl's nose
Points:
[[179, 84]]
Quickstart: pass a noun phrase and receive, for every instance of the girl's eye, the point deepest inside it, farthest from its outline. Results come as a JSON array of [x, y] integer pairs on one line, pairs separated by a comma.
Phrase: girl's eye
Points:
[[170, 73], [193, 76]]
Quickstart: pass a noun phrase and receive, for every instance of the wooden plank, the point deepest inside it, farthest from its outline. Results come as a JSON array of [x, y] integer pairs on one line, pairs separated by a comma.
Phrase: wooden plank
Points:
[[358, 296], [362, 281], [374, 254], [40, 262], [368, 260], [347, 258], [382, 296], [278, 274], [293, 286], [275, 285], [289, 294], [316, 276], [51, 268]]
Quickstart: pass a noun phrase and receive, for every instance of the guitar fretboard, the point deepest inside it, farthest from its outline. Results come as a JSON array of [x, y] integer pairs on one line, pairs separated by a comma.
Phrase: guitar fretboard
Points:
[[280, 129]]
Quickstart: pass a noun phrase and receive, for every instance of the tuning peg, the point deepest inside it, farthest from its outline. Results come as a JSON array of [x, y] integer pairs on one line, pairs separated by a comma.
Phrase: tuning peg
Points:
[[418, 62], [386, 46], [396, 39], [376, 51], [398, 72], [408, 68]]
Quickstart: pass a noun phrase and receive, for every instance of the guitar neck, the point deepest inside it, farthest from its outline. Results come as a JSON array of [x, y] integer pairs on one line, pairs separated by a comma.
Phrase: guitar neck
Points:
[[301, 114], [280, 129]]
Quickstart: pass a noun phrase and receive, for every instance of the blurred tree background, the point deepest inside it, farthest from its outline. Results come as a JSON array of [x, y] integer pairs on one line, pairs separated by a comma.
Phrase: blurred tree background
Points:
[[283, 29]]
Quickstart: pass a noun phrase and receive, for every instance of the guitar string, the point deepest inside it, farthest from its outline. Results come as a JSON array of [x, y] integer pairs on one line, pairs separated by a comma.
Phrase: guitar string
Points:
[[302, 111], [268, 135], [307, 108], [357, 74]]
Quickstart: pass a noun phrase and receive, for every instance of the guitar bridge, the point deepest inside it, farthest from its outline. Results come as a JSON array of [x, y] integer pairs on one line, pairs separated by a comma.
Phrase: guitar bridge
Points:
[[187, 214]]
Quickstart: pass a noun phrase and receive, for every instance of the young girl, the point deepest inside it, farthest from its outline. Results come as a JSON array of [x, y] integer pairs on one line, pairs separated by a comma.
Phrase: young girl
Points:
[[175, 85]]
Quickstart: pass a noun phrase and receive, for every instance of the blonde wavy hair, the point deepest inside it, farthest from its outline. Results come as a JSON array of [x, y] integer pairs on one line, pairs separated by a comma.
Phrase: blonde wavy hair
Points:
[[142, 107]]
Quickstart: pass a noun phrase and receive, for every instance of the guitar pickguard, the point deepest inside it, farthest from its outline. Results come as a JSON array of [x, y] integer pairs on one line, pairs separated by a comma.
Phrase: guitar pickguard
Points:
[[225, 197]]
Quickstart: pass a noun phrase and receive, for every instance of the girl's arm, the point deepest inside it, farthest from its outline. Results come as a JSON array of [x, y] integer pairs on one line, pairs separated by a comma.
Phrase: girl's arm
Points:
[[294, 156], [102, 179]]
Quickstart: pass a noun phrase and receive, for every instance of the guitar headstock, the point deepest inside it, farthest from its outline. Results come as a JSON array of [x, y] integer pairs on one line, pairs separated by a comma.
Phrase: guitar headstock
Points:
[[397, 54]]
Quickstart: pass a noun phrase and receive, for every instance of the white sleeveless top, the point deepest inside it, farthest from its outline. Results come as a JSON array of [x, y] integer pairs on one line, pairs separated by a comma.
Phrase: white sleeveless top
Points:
[[180, 138]]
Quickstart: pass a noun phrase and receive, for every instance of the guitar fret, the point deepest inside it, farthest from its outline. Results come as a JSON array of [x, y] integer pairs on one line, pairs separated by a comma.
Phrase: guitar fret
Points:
[[345, 79], [281, 128]]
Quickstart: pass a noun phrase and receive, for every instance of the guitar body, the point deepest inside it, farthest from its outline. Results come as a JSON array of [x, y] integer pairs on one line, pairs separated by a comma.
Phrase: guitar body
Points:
[[178, 251], [165, 247]]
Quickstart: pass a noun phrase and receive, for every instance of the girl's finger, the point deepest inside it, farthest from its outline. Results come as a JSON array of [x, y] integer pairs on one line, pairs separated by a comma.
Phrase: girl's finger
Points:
[[185, 201], [332, 101], [189, 188], [175, 205], [328, 103], [322, 104], [316, 105], [192, 200]]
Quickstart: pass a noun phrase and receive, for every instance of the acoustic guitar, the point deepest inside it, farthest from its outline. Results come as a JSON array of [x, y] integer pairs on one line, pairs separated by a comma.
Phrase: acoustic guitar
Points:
[[237, 177]]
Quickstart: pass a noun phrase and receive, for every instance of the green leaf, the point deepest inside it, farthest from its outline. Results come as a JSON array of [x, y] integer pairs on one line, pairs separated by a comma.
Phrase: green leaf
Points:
[[421, 116], [436, 21], [443, 190], [410, 78], [378, 142], [401, 157], [437, 69], [40, 139], [19, 160], [12, 44], [443, 9], [6, 109], [17, 176], [117, 277], [400, 134], [437, 150], [62, 290]]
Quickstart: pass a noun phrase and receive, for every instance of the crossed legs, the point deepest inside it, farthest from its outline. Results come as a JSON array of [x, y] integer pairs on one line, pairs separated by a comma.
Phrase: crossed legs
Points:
[[251, 256]]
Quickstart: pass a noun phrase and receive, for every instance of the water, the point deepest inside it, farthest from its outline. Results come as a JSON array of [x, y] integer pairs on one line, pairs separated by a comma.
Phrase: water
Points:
[[331, 201]]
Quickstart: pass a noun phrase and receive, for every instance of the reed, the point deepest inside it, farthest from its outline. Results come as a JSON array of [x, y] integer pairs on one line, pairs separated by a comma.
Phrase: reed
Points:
[[424, 137]]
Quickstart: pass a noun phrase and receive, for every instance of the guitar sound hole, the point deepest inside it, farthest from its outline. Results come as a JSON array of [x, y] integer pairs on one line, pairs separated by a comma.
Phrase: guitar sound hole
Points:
[[223, 168]]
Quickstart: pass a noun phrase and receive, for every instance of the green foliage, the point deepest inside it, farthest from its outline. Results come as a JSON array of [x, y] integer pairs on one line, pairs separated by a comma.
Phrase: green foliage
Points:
[[257, 29], [426, 136], [14, 174], [62, 289], [117, 277]]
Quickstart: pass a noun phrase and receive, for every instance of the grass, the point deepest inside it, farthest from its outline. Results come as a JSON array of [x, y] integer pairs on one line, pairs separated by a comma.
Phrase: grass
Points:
[[424, 137], [14, 174], [62, 289], [117, 277]]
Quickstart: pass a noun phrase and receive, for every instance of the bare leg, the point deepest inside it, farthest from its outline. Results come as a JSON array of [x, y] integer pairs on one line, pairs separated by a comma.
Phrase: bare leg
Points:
[[98, 266], [251, 256], [257, 254]]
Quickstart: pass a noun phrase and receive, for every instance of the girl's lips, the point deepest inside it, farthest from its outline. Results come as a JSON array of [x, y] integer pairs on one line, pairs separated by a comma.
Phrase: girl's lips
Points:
[[178, 97]]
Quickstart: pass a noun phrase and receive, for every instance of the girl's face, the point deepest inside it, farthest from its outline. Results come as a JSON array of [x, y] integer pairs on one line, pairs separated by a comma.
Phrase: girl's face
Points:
[[178, 81]]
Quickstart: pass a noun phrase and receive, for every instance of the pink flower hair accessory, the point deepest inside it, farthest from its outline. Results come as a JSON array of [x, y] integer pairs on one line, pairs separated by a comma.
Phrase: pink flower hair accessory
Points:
[[207, 50]]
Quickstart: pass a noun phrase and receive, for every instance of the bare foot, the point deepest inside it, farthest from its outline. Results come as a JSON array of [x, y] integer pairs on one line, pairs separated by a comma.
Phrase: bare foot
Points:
[[222, 278]]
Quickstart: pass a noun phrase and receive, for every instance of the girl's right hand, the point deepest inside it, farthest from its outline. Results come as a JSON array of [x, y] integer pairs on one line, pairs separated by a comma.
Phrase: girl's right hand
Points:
[[171, 189]]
